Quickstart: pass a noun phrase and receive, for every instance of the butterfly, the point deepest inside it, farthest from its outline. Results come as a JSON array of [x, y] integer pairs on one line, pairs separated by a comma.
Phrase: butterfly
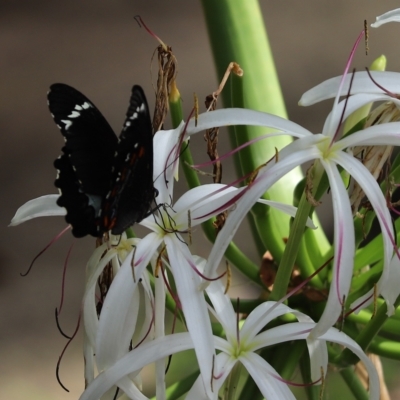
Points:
[[105, 182]]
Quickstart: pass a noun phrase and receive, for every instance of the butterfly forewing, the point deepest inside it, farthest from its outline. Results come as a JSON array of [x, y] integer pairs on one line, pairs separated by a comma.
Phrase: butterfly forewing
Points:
[[89, 140], [131, 192]]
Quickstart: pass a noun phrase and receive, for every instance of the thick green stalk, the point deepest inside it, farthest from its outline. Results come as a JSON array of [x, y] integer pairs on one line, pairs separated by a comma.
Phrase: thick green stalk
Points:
[[354, 384], [237, 33], [292, 248], [366, 336]]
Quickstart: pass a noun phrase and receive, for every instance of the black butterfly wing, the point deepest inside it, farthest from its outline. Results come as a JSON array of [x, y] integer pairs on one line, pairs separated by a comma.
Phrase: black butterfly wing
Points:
[[81, 213], [90, 141], [85, 167], [132, 189]]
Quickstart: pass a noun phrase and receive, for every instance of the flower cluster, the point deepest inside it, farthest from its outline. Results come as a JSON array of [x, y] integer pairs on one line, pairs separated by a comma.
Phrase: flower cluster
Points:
[[128, 331]]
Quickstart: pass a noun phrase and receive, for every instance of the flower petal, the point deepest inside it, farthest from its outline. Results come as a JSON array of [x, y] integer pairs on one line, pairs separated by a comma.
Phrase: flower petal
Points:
[[242, 116], [135, 360], [390, 16], [194, 306], [267, 379], [375, 196], [44, 206], [362, 83], [344, 243]]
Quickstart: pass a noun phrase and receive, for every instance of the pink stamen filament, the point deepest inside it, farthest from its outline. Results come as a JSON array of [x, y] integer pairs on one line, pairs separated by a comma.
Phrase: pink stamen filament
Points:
[[46, 247], [63, 351], [63, 278], [139, 20], [391, 94]]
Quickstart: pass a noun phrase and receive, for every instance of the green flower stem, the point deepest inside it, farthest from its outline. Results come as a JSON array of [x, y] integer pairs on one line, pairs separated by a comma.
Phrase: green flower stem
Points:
[[175, 106], [391, 326], [385, 348], [292, 248], [288, 356], [237, 33], [354, 384], [232, 386], [366, 336]]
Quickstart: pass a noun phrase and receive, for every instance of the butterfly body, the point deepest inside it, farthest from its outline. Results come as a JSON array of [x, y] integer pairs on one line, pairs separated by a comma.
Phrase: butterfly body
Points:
[[105, 182]]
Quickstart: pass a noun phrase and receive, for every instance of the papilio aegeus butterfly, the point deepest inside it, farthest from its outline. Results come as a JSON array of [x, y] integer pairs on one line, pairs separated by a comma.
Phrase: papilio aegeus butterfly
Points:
[[106, 183]]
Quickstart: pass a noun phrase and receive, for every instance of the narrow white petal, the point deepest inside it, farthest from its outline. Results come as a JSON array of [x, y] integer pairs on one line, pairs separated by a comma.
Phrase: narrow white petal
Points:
[[318, 353], [94, 268], [242, 116], [130, 389], [118, 318], [287, 209], [44, 206], [267, 379], [344, 243], [194, 306], [391, 290], [353, 103], [362, 83], [296, 331], [375, 135], [333, 335], [390, 16], [223, 308], [165, 162], [136, 360], [378, 202], [223, 366], [266, 312]]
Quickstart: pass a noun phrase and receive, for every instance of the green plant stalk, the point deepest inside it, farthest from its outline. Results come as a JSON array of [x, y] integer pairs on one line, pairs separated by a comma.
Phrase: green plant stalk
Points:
[[287, 358], [385, 348], [292, 248], [354, 384], [237, 33], [391, 325], [366, 336], [232, 386]]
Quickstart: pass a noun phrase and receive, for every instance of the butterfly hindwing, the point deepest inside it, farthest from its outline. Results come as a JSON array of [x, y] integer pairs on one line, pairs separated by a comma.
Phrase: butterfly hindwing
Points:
[[131, 192], [80, 214]]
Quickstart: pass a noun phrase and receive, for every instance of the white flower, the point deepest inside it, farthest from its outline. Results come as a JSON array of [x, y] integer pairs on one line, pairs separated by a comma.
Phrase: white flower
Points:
[[331, 151], [241, 345]]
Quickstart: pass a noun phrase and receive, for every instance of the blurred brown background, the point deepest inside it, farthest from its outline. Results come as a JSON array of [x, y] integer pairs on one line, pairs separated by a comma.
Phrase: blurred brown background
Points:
[[98, 48]]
